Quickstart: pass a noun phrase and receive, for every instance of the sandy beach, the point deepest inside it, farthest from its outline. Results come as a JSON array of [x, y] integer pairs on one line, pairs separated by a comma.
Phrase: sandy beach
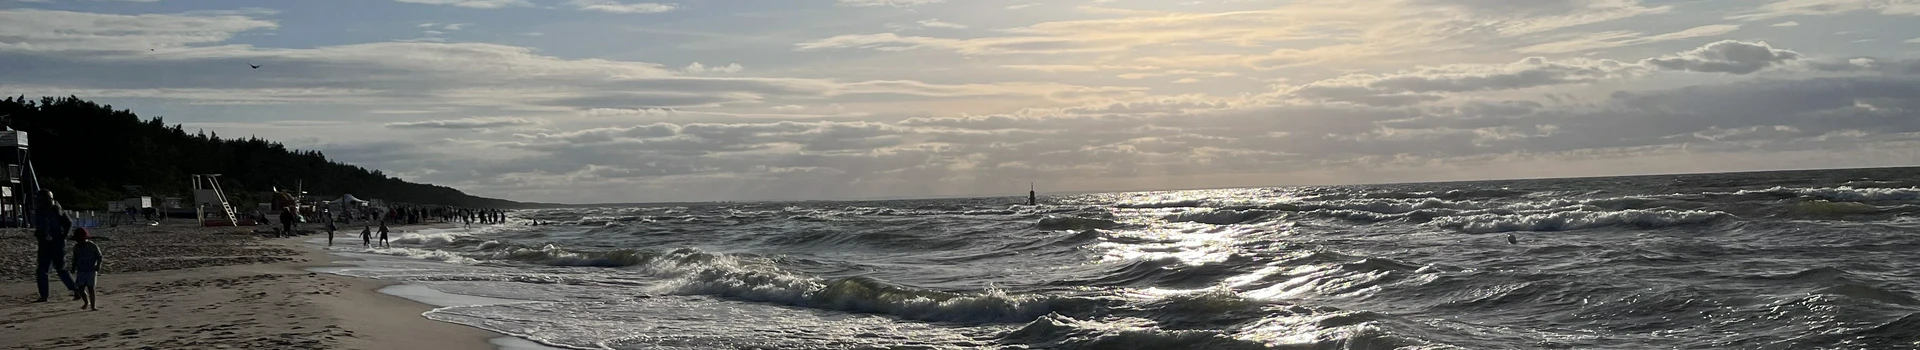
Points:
[[180, 286]]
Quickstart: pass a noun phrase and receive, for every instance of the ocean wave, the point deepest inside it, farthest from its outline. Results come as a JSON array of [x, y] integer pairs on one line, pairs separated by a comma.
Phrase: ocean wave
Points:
[[1061, 331], [1162, 272], [890, 238], [1451, 194], [551, 255], [1577, 220], [689, 271], [425, 254], [431, 237], [1337, 329], [1824, 274], [1053, 222], [1218, 216], [1867, 292], [1824, 208], [694, 272], [1899, 333], [1842, 193]]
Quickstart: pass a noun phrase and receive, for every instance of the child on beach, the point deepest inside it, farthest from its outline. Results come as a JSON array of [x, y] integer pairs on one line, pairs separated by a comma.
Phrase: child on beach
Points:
[[366, 236], [86, 267], [383, 235]]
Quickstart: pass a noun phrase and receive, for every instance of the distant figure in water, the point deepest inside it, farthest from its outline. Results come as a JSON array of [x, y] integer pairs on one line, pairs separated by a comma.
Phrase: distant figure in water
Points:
[[366, 236], [1512, 240], [383, 236]]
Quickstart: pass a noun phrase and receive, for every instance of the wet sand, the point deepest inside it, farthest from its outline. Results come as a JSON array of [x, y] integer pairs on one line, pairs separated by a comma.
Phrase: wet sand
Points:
[[179, 286]]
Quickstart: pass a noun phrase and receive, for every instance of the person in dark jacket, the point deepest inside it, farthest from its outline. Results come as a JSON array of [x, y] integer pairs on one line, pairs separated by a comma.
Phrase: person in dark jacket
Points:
[[50, 229], [286, 222], [328, 215]]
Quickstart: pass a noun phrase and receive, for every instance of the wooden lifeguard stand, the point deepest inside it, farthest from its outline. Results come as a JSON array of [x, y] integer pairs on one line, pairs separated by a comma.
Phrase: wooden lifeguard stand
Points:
[[22, 183], [207, 192]]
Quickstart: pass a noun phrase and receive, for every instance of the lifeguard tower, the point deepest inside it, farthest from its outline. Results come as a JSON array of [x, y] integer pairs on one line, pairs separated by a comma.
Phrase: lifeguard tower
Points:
[[210, 203], [22, 184]]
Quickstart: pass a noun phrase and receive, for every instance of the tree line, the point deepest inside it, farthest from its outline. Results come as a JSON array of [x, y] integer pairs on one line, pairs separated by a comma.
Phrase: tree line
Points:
[[87, 153]]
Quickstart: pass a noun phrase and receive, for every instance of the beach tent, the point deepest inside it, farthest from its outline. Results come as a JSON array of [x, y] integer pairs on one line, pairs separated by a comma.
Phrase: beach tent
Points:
[[349, 200]]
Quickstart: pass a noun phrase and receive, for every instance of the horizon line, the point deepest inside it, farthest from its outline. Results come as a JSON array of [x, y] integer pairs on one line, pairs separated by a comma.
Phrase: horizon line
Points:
[[1078, 192]]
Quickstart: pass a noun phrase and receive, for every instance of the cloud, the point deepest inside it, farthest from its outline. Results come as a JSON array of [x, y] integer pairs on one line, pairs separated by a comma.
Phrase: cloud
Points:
[[696, 67], [937, 23], [479, 4], [1436, 83], [465, 123], [974, 154], [1022, 6], [612, 6], [1409, 87], [184, 65], [1396, 31], [926, 23], [997, 45], [1784, 8], [1611, 39], [1733, 57], [892, 3], [37, 30], [1786, 24]]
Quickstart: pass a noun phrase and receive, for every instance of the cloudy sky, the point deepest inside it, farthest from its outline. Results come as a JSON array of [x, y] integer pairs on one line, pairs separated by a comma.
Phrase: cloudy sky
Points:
[[584, 101]]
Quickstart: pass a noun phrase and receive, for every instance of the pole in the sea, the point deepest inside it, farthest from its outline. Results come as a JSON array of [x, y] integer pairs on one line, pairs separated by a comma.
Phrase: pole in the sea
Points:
[[1032, 199]]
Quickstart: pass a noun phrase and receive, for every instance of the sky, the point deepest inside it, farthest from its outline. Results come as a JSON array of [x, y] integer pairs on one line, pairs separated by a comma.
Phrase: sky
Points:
[[601, 101]]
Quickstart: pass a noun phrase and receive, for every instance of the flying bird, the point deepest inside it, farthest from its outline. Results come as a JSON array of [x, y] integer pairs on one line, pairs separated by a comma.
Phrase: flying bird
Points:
[[255, 66]]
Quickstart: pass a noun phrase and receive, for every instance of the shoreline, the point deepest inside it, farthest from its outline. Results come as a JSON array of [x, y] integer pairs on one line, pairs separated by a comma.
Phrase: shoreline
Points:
[[229, 290], [418, 297], [382, 320]]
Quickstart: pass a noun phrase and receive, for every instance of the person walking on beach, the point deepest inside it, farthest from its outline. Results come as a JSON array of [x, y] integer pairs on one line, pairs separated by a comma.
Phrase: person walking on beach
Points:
[[366, 236], [86, 268], [330, 227], [383, 236], [50, 228], [286, 222]]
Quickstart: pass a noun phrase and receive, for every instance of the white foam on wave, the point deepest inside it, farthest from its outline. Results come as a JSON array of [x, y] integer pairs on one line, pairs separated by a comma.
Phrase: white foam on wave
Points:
[[1844, 193], [693, 322], [423, 254], [1576, 220], [431, 237], [421, 293], [1217, 216]]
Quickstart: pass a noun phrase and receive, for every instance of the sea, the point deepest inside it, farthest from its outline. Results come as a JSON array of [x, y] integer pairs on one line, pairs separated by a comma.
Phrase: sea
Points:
[[1823, 259]]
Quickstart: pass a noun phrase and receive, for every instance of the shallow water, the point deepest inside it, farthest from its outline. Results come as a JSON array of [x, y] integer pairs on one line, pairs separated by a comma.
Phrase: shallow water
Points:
[[1782, 260]]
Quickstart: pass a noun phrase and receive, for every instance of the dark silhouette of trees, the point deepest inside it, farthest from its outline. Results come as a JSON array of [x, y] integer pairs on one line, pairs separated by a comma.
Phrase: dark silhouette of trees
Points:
[[87, 153]]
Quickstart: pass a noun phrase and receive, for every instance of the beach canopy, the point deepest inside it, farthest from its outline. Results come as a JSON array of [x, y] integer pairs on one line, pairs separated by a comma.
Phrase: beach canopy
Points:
[[348, 199]]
